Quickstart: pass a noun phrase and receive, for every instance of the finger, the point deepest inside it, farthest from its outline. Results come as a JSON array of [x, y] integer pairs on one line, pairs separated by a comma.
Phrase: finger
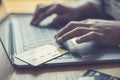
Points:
[[70, 26], [61, 20], [38, 14], [54, 9], [73, 33], [89, 36], [39, 9]]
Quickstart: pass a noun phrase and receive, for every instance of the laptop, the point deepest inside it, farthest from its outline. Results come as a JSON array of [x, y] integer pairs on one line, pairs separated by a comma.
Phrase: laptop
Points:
[[18, 36]]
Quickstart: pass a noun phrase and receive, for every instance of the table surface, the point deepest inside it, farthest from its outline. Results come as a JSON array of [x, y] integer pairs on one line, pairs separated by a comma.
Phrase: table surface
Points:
[[55, 73]]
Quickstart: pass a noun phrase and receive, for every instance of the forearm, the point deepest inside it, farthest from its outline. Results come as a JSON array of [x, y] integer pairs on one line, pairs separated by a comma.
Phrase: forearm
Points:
[[87, 10]]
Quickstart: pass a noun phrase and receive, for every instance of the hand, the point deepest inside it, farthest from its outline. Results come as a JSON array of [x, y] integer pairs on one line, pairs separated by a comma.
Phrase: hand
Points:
[[65, 14], [105, 32]]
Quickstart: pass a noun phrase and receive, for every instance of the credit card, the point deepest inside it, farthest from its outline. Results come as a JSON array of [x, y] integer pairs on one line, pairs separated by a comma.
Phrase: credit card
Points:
[[41, 54], [115, 78], [100, 75]]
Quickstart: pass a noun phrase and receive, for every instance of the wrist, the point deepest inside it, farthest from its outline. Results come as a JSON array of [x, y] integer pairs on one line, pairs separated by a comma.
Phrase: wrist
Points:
[[85, 11]]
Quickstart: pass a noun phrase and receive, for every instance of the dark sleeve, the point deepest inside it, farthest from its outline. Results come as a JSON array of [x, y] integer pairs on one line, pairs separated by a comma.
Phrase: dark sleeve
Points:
[[98, 4]]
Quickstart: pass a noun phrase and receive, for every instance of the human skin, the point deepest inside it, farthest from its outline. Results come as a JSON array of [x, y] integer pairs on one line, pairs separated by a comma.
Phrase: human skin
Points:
[[106, 32], [65, 13]]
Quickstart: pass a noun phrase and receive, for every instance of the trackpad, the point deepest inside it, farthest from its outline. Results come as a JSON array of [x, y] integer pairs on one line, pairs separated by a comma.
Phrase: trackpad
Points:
[[82, 48], [93, 50]]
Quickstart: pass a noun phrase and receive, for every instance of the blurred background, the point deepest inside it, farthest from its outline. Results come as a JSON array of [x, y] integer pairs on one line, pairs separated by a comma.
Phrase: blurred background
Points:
[[0, 2], [25, 6], [29, 5]]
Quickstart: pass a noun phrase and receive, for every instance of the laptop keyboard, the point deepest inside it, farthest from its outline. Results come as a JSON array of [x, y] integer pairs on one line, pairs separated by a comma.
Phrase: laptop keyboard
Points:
[[36, 37], [28, 37]]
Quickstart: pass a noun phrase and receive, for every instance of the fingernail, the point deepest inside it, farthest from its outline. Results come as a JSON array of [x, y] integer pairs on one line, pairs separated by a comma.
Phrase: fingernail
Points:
[[58, 39], [57, 35]]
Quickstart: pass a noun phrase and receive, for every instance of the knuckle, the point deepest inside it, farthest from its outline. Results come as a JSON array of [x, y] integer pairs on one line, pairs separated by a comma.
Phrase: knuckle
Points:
[[71, 24], [58, 5], [78, 29], [91, 21], [93, 33]]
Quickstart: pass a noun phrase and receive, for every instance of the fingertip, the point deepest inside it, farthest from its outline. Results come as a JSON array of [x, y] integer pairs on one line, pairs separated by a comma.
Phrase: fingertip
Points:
[[60, 40], [82, 39], [78, 41], [56, 36], [33, 23]]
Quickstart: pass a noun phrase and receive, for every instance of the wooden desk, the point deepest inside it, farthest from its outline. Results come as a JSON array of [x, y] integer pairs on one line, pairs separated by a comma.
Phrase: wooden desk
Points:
[[58, 73], [64, 73]]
